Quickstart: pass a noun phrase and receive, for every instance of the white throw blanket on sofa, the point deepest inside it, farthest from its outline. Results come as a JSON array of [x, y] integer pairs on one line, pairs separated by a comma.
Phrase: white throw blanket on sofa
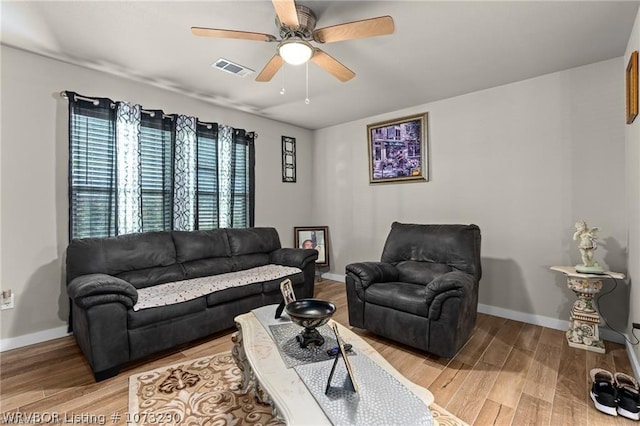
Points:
[[182, 291]]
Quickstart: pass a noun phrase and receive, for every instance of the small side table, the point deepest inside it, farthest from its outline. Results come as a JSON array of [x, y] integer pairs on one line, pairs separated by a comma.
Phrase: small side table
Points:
[[583, 330]]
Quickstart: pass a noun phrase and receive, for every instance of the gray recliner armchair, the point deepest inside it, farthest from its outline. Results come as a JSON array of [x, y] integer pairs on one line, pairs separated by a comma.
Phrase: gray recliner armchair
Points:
[[424, 291]]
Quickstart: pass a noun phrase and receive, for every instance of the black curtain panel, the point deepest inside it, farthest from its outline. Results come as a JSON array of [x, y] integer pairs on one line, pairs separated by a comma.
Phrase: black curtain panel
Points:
[[92, 158]]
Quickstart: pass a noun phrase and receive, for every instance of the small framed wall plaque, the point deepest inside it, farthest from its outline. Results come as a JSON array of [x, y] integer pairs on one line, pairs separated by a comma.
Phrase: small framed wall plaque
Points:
[[288, 159]]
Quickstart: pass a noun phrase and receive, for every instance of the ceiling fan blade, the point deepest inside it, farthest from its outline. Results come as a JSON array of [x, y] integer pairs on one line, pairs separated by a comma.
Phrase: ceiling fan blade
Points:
[[381, 25], [270, 69], [244, 35], [286, 11], [332, 66]]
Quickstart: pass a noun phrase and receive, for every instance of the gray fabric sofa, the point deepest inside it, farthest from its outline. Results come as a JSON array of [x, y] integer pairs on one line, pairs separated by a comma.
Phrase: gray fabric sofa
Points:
[[106, 277], [424, 291]]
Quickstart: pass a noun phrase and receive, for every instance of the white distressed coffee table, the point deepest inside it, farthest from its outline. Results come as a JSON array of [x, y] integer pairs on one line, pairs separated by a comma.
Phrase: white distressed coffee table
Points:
[[262, 366]]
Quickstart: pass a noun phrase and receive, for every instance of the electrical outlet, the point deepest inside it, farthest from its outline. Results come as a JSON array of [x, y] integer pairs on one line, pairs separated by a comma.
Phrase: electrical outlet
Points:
[[635, 325], [7, 300]]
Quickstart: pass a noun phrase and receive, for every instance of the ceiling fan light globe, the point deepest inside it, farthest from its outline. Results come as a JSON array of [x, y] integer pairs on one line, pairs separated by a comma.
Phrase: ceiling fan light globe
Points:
[[295, 52]]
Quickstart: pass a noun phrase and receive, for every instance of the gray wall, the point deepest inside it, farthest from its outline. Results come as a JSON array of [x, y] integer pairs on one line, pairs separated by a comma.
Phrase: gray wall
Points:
[[33, 215], [632, 137], [523, 161]]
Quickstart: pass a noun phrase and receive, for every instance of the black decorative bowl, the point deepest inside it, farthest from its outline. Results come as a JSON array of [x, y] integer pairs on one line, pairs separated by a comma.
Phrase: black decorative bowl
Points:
[[310, 313]]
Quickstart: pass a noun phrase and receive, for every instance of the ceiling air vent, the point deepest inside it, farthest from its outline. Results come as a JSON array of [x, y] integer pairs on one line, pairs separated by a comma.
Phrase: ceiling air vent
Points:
[[232, 67]]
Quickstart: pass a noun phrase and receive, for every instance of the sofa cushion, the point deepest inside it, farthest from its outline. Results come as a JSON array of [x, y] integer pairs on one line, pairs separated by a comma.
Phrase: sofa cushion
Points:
[[400, 296], [142, 278], [248, 261], [114, 255], [233, 293], [138, 251], [206, 267], [420, 272], [180, 291], [136, 319], [252, 240], [85, 256], [270, 286], [195, 245]]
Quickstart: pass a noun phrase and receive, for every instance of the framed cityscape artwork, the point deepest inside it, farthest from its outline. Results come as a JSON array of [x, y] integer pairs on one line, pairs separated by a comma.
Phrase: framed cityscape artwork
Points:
[[397, 149]]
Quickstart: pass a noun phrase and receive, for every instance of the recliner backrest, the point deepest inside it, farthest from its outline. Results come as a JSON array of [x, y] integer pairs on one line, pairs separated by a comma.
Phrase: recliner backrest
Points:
[[457, 246]]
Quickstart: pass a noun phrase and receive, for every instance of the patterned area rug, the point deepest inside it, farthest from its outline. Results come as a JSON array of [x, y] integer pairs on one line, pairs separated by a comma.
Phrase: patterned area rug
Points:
[[206, 391]]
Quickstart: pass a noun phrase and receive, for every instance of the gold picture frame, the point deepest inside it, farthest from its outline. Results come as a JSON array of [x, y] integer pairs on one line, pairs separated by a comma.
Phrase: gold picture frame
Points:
[[632, 87], [398, 149]]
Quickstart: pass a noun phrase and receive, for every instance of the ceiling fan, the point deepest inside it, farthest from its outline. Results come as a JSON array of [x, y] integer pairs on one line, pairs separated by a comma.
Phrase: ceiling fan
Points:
[[296, 24]]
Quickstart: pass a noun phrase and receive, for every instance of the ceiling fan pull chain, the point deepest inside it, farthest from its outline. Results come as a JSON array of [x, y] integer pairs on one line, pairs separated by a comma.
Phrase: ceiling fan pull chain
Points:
[[306, 101], [282, 90]]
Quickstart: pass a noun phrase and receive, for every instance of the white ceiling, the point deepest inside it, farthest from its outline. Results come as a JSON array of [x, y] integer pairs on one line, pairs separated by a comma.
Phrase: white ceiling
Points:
[[438, 50]]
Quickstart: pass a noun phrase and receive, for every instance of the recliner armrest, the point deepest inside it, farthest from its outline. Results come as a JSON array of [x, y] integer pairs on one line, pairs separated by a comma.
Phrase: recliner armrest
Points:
[[372, 272], [96, 289], [451, 284], [294, 257]]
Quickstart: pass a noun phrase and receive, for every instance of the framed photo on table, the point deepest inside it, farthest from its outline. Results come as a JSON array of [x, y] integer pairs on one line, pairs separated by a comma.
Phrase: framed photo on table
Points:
[[314, 237], [398, 149]]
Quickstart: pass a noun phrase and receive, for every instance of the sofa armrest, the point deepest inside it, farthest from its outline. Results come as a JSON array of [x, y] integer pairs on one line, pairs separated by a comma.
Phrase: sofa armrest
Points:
[[294, 257], [368, 273], [96, 289], [452, 284]]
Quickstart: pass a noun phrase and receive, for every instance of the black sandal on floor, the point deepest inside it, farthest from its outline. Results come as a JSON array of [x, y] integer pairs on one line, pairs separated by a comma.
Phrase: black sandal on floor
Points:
[[603, 391], [628, 396]]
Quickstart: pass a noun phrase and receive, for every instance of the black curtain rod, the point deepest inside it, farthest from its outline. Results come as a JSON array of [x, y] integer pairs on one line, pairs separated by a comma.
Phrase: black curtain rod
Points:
[[151, 113], [82, 98]]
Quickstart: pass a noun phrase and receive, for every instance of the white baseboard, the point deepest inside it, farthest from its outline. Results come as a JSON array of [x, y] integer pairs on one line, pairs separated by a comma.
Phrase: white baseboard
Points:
[[556, 324], [334, 277], [633, 359], [30, 339], [543, 321]]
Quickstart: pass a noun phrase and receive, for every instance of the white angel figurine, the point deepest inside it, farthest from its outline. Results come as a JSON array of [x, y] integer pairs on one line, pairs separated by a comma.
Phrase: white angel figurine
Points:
[[587, 245]]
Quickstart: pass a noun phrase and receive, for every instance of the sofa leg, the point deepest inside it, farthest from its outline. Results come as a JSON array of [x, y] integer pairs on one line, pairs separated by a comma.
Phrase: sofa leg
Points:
[[106, 374]]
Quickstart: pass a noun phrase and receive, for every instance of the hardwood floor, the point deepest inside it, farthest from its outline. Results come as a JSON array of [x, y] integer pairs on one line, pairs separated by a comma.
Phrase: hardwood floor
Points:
[[508, 373]]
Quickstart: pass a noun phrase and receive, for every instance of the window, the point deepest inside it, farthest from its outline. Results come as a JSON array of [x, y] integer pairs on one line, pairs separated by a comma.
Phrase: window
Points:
[[155, 162], [219, 189], [92, 180], [240, 190], [207, 182]]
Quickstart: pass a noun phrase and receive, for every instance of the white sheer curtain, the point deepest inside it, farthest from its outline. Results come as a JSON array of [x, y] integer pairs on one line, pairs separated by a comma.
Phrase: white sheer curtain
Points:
[[128, 190], [225, 168], [185, 174]]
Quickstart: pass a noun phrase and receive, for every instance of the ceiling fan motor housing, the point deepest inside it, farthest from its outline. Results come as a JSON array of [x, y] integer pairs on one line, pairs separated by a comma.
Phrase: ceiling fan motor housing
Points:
[[307, 23]]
